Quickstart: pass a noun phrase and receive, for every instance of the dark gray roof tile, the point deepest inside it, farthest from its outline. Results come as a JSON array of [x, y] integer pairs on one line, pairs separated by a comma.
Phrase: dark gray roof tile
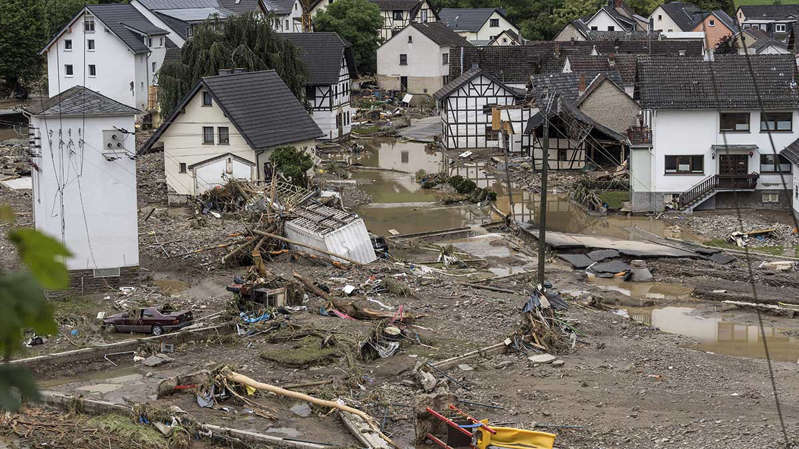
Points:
[[321, 53], [773, 12], [466, 19], [441, 34], [725, 83], [80, 101], [260, 106], [685, 15], [121, 19]]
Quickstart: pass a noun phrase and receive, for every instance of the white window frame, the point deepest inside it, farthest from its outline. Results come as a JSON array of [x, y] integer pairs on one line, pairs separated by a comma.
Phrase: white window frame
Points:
[[89, 70], [71, 67], [93, 45], [65, 44], [777, 27]]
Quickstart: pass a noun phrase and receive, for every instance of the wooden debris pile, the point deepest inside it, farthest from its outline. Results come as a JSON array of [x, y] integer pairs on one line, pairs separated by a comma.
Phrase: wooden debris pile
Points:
[[542, 327]]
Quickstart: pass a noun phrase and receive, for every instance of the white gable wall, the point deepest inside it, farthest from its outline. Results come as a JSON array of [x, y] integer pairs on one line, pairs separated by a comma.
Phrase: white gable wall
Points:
[[486, 32], [183, 143], [114, 60], [603, 22], [663, 22], [425, 67], [100, 225]]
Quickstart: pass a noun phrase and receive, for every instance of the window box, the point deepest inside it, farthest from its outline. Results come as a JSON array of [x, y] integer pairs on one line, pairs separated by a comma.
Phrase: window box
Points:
[[734, 122], [685, 165]]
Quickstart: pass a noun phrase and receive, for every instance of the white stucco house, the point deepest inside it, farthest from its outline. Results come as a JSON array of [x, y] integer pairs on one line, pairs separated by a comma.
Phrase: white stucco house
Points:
[[227, 127], [615, 16], [478, 25], [397, 14], [416, 59], [111, 49], [84, 184], [329, 61], [704, 144]]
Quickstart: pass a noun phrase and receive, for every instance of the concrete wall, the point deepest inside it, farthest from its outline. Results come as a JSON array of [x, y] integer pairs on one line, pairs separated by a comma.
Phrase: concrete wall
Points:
[[183, 143], [97, 222], [609, 98], [663, 22]]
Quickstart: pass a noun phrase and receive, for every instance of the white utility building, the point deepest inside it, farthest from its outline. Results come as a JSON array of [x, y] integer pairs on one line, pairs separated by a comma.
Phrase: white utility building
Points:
[[84, 183]]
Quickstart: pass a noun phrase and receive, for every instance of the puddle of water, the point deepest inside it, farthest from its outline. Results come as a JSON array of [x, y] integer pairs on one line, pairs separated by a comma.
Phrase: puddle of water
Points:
[[563, 215], [505, 261], [644, 290], [407, 157], [392, 187], [409, 220], [719, 333]]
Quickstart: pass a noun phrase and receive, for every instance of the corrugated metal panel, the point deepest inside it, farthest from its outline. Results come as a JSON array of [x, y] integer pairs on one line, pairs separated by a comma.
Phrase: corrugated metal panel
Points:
[[352, 241]]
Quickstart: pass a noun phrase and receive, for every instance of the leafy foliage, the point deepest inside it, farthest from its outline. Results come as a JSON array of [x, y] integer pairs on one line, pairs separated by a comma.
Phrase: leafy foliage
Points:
[[246, 42], [727, 45], [25, 307], [293, 163], [358, 22], [22, 22]]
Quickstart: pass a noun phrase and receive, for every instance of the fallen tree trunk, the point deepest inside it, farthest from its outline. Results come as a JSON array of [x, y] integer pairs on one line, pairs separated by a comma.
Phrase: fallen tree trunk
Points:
[[244, 380]]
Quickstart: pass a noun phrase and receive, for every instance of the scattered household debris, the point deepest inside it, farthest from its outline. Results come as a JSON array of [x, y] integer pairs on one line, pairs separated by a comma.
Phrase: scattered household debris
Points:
[[542, 327]]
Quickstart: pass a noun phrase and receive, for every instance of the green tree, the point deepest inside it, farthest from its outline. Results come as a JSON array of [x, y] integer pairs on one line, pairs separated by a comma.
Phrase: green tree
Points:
[[573, 9], [246, 41], [23, 36], [25, 307], [293, 163], [644, 7], [356, 21]]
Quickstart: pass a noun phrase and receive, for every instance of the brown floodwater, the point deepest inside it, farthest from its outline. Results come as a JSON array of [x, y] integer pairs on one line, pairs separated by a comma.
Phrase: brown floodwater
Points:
[[719, 332]]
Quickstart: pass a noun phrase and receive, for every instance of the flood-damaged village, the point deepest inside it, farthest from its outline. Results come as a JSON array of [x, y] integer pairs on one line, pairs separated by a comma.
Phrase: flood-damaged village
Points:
[[395, 224]]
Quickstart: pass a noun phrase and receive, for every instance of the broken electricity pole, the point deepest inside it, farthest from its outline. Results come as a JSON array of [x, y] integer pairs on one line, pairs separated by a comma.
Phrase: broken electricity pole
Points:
[[542, 215]]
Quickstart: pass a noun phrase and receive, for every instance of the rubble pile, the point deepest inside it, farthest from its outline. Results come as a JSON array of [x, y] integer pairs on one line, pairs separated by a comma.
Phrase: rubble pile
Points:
[[151, 180], [723, 227], [14, 161]]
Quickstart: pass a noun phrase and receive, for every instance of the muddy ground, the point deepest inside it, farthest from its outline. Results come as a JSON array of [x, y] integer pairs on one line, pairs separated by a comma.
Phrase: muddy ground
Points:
[[625, 383]]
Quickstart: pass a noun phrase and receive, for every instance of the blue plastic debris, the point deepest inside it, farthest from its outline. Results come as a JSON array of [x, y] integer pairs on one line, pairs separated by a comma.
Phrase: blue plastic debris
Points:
[[247, 319]]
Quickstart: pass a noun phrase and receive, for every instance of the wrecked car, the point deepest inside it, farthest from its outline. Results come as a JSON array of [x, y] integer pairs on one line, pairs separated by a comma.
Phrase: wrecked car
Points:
[[148, 320]]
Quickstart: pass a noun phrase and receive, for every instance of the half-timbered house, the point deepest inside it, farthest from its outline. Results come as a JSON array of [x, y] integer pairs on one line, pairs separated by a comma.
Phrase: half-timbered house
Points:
[[330, 65], [397, 14], [471, 107]]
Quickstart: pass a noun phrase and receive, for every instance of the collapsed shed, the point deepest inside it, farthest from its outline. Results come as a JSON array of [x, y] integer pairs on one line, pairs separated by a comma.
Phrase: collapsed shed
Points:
[[333, 230]]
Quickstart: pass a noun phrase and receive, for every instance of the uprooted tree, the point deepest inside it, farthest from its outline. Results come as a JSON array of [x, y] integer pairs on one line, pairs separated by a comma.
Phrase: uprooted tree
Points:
[[244, 42], [24, 305], [293, 163]]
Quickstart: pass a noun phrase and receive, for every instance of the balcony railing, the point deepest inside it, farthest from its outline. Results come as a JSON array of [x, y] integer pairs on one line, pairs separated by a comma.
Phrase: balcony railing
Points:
[[715, 183]]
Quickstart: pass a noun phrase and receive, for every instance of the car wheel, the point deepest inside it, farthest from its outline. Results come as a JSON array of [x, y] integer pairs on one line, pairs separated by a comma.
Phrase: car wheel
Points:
[[157, 330]]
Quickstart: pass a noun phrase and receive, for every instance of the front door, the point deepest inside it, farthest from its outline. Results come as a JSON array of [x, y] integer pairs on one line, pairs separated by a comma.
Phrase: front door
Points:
[[733, 169], [404, 83], [733, 164]]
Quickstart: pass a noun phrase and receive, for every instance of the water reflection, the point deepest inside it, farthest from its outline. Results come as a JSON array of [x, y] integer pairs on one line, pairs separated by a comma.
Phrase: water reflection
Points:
[[407, 157], [719, 333]]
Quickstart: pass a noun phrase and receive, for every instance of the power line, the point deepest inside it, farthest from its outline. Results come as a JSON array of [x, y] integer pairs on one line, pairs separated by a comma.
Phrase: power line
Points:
[[741, 228]]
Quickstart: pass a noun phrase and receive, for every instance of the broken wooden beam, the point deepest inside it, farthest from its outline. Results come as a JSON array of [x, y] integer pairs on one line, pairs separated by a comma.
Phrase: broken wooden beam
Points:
[[482, 352]]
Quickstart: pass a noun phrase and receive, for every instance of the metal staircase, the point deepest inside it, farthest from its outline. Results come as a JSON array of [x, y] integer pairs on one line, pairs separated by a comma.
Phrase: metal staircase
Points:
[[708, 187]]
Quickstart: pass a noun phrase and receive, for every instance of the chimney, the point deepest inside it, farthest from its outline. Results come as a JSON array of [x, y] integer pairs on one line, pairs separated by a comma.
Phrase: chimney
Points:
[[612, 60], [581, 86]]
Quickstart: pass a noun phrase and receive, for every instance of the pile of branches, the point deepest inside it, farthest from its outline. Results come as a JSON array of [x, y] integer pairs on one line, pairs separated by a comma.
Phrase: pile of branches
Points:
[[542, 327]]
